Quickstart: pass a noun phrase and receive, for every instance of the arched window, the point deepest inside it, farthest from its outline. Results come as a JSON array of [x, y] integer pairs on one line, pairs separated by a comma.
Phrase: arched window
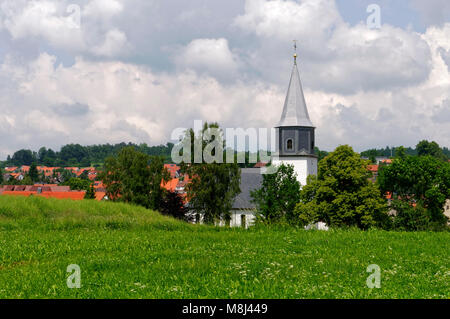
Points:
[[290, 144]]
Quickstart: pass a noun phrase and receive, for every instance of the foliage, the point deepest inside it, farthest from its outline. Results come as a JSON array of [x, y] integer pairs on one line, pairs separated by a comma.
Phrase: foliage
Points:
[[26, 181], [84, 175], [65, 175], [82, 156], [422, 148], [214, 184], [90, 192], [134, 177], [412, 218], [34, 174], [320, 153], [418, 180], [126, 251], [22, 157], [278, 195], [425, 148], [173, 205], [341, 194], [1, 176], [77, 184]]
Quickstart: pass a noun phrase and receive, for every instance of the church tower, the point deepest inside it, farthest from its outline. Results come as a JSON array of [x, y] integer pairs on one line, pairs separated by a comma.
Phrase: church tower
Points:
[[295, 138]]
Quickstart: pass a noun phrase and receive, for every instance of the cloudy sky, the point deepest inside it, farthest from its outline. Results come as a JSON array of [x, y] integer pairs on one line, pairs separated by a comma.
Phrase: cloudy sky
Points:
[[107, 71]]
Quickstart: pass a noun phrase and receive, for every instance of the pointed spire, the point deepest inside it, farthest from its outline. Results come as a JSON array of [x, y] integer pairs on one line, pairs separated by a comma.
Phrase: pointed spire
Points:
[[295, 112]]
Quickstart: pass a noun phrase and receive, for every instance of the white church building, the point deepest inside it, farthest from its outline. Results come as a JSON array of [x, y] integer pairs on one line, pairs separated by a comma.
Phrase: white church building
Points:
[[295, 141]]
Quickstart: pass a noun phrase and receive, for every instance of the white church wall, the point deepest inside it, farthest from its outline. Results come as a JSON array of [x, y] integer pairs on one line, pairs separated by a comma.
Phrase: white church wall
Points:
[[236, 219], [303, 166]]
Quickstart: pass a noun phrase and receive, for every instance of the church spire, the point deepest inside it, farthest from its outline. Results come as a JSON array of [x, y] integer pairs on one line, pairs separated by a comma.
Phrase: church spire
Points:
[[295, 112]]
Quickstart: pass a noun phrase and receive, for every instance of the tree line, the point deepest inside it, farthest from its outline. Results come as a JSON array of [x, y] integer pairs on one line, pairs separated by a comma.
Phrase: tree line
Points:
[[77, 155], [94, 155], [422, 148]]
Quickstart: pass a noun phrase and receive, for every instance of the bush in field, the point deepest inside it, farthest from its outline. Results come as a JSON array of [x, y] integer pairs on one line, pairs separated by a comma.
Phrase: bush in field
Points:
[[420, 187], [341, 194], [135, 177]]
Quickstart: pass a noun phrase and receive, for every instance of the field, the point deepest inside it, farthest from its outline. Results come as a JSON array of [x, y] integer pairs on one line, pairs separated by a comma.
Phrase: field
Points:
[[129, 252]]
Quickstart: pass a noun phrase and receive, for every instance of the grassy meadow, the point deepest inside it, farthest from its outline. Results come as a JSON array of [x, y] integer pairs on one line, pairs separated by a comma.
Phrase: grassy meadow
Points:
[[130, 252]]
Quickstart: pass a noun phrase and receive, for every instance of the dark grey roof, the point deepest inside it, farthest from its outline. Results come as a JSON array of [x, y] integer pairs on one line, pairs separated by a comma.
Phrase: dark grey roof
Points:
[[251, 179], [295, 112]]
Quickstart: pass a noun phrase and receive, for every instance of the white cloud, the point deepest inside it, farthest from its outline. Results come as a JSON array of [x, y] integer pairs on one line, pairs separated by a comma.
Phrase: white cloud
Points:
[[208, 55], [336, 56], [115, 44], [363, 87], [44, 18], [310, 21], [121, 102], [65, 25], [104, 9]]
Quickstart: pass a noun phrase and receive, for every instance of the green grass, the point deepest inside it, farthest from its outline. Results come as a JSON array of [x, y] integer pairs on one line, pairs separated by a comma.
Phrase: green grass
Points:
[[129, 252]]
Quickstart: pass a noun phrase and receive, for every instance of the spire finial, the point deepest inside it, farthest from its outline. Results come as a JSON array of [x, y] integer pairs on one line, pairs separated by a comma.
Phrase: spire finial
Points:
[[295, 52]]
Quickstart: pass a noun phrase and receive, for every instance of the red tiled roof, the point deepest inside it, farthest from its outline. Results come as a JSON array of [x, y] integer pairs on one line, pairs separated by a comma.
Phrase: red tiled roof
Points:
[[100, 195], [64, 195], [170, 185], [25, 169], [372, 168], [60, 195]]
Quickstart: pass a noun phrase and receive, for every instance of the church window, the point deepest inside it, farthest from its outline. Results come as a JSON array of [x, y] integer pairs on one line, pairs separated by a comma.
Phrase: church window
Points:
[[289, 144]]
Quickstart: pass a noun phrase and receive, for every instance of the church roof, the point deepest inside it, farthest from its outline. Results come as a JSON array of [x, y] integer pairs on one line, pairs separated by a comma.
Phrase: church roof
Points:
[[295, 112], [251, 179]]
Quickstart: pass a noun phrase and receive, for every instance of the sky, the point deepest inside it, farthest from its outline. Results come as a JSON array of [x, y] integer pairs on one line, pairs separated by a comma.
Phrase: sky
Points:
[[110, 71]]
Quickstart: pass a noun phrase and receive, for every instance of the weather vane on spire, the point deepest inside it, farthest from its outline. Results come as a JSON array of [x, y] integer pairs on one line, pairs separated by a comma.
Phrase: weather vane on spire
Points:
[[295, 51]]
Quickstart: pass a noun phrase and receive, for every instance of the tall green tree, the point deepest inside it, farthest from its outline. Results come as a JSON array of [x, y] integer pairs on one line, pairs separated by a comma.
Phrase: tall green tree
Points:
[[419, 181], [135, 177], [425, 148], [33, 173], [1, 176], [341, 194], [23, 157], [214, 184], [278, 195]]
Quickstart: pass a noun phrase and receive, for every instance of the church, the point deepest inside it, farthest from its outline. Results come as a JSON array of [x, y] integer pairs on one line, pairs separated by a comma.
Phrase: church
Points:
[[295, 142]]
